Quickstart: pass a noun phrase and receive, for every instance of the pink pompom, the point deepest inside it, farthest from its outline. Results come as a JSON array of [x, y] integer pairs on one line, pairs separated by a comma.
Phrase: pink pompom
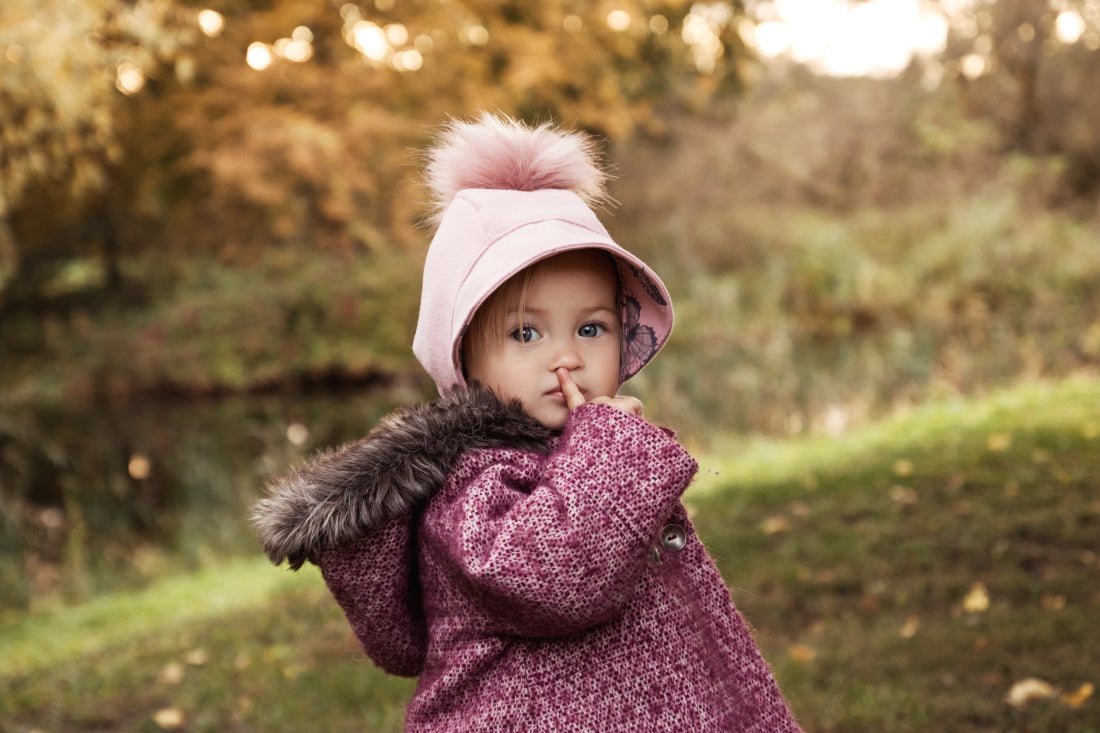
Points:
[[501, 153]]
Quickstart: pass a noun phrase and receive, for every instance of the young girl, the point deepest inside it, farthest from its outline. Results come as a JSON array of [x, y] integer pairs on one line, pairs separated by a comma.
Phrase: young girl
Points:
[[520, 543]]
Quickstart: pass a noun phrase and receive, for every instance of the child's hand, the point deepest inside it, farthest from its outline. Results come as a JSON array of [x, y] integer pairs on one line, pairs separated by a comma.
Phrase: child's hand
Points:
[[574, 398]]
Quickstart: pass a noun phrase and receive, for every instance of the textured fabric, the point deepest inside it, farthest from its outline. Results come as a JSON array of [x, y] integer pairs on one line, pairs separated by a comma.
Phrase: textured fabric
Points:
[[533, 592], [338, 496], [486, 236]]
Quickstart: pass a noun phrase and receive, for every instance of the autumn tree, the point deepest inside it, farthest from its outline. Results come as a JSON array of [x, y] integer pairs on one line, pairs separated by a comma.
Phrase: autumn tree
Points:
[[66, 67], [1034, 67], [161, 127]]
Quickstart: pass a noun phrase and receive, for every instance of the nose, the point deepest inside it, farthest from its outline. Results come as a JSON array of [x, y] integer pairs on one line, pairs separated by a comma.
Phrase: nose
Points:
[[566, 355]]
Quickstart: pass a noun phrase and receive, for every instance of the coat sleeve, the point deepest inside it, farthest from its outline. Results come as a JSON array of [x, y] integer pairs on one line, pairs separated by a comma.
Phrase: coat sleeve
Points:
[[555, 553], [371, 579]]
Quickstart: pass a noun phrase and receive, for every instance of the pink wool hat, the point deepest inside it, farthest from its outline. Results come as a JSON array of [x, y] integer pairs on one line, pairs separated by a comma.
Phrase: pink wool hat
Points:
[[507, 196]]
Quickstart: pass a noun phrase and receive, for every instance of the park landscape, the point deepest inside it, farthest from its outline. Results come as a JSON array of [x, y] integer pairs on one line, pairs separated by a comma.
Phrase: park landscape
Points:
[[885, 356]]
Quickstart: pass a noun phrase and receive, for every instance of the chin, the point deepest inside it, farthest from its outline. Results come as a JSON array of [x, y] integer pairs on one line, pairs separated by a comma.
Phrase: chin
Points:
[[556, 425], [552, 420]]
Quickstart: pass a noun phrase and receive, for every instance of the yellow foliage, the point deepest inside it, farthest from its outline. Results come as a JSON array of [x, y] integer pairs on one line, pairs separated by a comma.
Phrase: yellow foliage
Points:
[[1078, 697], [1027, 691], [977, 600], [802, 653]]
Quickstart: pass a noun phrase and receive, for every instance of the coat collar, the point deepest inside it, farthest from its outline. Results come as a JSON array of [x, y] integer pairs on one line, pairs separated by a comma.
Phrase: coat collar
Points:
[[336, 496]]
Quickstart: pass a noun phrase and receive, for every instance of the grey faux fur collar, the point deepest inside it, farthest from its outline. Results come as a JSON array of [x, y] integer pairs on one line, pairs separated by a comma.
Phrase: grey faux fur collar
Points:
[[338, 495]]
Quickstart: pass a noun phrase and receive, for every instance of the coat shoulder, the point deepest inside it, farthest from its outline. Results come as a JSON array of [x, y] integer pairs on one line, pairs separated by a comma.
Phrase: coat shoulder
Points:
[[338, 495]]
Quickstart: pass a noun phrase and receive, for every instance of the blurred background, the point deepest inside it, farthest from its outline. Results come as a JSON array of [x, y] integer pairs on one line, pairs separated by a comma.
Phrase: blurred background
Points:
[[210, 248]]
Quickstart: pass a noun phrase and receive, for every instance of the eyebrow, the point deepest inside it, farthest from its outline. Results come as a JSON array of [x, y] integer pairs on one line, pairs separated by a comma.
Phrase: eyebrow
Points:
[[584, 311]]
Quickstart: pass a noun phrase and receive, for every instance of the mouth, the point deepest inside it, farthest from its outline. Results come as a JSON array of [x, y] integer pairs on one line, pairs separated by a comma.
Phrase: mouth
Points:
[[555, 394]]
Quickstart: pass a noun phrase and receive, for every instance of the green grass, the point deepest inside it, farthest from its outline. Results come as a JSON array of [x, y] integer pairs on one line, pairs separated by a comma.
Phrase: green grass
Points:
[[241, 646], [852, 556]]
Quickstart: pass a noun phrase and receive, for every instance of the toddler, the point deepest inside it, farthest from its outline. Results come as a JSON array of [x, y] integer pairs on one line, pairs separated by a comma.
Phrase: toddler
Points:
[[519, 544]]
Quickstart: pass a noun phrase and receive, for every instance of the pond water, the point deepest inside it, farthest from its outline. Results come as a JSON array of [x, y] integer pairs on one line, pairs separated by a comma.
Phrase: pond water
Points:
[[101, 497]]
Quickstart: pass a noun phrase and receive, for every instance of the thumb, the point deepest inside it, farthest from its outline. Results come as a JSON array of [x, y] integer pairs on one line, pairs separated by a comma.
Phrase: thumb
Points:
[[573, 396]]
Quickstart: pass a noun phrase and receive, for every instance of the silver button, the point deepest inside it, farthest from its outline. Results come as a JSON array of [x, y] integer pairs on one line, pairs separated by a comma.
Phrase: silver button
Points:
[[673, 537]]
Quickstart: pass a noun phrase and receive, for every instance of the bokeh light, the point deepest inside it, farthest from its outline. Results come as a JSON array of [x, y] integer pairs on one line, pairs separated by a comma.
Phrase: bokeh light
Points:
[[1069, 26], [297, 433], [129, 79], [410, 60], [974, 65], [474, 35], [397, 34], [618, 20], [211, 22], [259, 56], [701, 31], [139, 467]]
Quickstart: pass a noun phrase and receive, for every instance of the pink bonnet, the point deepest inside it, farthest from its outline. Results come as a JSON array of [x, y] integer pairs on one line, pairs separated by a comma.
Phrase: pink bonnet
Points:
[[507, 196]]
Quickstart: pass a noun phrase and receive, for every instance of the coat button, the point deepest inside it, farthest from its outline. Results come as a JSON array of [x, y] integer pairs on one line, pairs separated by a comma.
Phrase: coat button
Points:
[[673, 537]]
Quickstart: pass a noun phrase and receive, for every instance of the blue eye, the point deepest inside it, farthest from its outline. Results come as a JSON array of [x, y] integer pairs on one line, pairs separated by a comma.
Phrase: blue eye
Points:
[[591, 330], [526, 334]]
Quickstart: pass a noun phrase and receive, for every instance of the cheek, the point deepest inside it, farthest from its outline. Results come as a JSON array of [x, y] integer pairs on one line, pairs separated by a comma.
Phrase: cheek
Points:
[[505, 376], [609, 371]]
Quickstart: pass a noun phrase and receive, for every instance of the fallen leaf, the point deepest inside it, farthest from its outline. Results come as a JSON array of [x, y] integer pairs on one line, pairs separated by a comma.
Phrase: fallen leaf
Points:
[[963, 508], [169, 718], [1052, 602], [171, 674], [197, 657], [800, 509], [1077, 698], [903, 495], [1027, 691], [909, 628], [775, 525], [802, 653], [992, 679], [903, 467], [977, 600]]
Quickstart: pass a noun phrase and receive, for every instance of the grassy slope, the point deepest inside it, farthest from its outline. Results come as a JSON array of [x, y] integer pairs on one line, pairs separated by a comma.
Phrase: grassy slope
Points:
[[853, 558]]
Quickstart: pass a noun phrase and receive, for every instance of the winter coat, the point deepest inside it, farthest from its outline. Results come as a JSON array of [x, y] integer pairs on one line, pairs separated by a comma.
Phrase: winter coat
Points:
[[534, 582]]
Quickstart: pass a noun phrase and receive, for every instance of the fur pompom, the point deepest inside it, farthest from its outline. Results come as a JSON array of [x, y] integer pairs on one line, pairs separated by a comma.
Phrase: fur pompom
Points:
[[501, 153]]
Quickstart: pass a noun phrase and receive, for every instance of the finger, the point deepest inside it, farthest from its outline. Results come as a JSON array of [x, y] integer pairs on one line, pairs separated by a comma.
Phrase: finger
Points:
[[573, 396], [629, 405]]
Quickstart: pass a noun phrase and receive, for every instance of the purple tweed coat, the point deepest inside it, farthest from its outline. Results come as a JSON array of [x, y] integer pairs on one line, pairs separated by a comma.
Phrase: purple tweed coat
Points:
[[534, 582]]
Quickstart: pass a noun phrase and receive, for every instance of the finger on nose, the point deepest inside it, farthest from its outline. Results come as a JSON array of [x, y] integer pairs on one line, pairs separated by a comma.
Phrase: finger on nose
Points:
[[569, 388]]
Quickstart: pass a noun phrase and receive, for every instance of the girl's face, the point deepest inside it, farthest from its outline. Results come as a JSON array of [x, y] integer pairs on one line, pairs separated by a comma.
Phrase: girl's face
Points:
[[570, 319]]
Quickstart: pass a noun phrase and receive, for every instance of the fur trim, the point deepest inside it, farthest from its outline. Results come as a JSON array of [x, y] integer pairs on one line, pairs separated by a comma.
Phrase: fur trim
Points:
[[338, 495], [498, 152]]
